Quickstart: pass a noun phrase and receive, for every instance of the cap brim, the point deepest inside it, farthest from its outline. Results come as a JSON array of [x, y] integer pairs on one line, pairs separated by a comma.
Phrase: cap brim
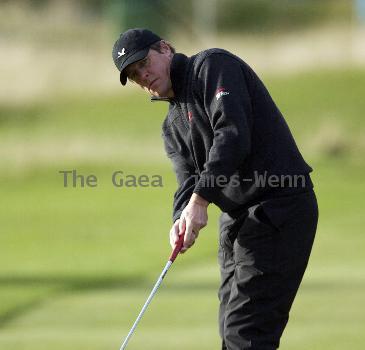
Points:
[[139, 55]]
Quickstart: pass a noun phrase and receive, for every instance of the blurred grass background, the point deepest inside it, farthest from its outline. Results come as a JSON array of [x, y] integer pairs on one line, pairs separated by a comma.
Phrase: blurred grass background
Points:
[[76, 264]]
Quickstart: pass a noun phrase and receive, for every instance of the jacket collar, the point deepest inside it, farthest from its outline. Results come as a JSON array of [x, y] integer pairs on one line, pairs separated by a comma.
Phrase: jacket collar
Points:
[[178, 67]]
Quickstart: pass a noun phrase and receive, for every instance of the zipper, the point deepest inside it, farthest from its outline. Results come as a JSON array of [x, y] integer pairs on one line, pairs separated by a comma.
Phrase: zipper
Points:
[[186, 122]]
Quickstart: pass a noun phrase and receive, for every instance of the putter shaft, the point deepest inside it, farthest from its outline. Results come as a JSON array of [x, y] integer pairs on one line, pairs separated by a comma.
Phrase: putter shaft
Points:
[[154, 290], [172, 258]]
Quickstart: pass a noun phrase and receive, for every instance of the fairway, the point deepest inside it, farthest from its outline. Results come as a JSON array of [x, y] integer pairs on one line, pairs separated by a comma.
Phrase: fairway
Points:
[[76, 264]]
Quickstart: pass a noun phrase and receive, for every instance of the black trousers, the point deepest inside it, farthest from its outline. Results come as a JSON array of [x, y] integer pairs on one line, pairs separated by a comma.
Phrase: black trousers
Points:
[[263, 253]]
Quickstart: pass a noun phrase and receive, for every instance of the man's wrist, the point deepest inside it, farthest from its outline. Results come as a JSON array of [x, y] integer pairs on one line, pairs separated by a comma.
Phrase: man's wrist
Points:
[[195, 198]]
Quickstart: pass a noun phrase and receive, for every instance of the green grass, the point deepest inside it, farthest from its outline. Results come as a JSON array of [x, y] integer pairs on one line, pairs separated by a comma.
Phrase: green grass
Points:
[[76, 264]]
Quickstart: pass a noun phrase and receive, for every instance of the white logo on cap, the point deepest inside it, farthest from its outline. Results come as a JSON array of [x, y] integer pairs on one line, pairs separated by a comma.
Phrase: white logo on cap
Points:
[[120, 54]]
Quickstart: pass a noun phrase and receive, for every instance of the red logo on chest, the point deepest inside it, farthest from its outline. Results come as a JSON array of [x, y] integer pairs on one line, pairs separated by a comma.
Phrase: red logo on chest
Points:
[[190, 116], [221, 92]]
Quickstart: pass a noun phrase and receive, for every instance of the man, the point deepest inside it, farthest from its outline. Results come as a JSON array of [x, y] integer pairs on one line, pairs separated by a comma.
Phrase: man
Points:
[[230, 145]]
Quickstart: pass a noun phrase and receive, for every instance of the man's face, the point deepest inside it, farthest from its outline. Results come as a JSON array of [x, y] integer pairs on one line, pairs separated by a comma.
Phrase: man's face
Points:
[[153, 72]]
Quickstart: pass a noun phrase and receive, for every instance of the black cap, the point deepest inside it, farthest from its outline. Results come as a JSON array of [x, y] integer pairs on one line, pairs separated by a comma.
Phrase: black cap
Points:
[[132, 46]]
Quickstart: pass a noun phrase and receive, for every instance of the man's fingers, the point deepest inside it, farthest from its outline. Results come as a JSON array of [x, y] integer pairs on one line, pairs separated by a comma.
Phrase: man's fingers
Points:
[[172, 239], [174, 234], [183, 250], [189, 237], [182, 225], [188, 233]]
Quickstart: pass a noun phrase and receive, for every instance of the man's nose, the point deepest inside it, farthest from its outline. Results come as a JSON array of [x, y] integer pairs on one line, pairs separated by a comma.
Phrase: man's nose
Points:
[[144, 74]]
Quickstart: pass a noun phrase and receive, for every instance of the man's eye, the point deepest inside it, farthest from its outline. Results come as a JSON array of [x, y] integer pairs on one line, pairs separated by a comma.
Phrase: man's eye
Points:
[[144, 62]]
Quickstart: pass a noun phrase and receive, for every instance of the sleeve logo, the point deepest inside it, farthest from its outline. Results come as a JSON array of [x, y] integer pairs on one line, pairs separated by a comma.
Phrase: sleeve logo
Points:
[[221, 92]]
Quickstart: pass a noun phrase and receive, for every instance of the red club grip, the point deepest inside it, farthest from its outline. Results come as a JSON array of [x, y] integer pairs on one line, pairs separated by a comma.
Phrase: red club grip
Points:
[[177, 248]]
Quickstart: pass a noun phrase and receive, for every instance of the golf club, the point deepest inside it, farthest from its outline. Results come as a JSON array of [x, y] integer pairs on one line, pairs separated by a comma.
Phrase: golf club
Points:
[[172, 258]]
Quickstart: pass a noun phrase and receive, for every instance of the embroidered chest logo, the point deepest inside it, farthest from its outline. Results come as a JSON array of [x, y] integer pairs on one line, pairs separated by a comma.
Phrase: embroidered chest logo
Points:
[[221, 92]]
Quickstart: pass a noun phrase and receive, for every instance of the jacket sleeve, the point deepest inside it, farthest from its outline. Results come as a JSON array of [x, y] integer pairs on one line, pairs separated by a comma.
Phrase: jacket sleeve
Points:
[[224, 93], [186, 179]]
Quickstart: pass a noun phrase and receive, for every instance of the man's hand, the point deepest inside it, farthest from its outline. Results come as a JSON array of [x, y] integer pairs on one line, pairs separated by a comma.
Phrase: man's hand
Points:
[[193, 218], [174, 233]]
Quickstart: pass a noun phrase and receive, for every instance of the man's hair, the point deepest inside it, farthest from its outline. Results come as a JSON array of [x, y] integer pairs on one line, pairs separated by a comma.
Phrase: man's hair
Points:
[[157, 46]]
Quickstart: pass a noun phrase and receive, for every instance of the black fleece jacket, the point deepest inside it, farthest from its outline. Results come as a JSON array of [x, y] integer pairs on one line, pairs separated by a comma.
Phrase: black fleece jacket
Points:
[[224, 133]]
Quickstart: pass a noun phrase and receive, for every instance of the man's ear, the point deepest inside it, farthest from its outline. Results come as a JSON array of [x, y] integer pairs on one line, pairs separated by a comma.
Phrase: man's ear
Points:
[[164, 47]]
